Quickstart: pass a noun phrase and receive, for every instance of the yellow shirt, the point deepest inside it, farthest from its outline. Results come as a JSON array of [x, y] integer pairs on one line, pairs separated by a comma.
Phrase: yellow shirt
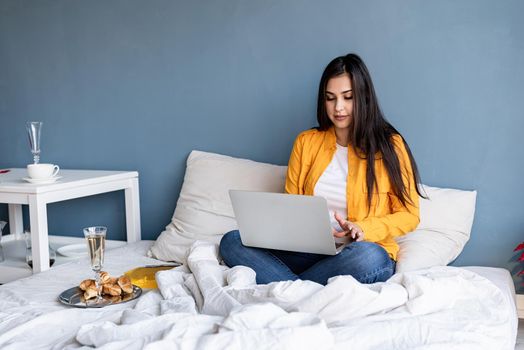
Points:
[[387, 217]]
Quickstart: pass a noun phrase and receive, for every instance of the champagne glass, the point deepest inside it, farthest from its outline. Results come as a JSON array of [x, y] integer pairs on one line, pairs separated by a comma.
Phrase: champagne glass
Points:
[[34, 129], [96, 242]]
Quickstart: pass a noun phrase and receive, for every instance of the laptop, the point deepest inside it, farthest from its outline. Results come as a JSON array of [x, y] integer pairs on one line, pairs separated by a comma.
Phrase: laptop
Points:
[[281, 221]]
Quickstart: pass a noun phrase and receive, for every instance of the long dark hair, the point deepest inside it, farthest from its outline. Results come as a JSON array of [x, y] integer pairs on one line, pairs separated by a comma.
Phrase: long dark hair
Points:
[[370, 133]]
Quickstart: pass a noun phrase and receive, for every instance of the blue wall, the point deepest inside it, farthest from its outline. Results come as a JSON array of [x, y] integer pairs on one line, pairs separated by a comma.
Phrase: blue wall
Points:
[[137, 85]]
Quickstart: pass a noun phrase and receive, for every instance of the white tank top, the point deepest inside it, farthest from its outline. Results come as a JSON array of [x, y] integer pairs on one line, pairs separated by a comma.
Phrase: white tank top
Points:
[[332, 185]]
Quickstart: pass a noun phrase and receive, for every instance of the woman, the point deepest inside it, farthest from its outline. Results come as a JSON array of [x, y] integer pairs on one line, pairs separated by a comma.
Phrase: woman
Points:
[[366, 172]]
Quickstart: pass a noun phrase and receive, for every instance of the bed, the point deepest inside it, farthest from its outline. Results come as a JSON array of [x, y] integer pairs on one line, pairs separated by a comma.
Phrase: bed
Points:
[[213, 307], [206, 305]]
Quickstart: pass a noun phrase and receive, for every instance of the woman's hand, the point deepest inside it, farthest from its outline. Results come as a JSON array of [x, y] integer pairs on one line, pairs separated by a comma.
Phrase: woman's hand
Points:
[[351, 230]]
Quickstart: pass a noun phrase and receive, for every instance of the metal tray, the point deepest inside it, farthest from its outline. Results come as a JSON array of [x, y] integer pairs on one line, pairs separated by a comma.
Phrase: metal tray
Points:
[[75, 297]]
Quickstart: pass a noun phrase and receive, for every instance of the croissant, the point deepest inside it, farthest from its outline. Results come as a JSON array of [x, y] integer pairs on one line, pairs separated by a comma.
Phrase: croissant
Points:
[[113, 280], [125, 283], [86, 284], [111, 289], [90, 292], [111, 286], [104, 277]]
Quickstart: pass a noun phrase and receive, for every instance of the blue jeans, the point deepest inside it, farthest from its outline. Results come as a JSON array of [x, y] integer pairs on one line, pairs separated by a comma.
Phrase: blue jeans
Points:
[[367, 262]]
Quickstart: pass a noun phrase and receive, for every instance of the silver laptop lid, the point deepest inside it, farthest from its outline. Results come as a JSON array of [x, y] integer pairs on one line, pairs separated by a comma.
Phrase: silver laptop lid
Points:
[[284, 222]]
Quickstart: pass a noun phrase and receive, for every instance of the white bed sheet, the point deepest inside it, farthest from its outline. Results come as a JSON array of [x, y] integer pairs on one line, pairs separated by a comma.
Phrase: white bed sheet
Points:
[[31, 316], [502, 279]]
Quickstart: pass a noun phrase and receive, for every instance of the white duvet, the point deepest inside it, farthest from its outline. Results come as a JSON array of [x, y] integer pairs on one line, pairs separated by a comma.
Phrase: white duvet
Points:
[[205, 305]]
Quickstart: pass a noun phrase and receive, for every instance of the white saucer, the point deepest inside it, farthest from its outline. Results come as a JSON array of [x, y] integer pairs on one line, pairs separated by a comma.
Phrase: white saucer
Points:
[[73, 250], [42, 181]]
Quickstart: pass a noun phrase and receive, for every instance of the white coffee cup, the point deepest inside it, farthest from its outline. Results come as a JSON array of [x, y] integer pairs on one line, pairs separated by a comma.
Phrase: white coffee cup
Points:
[[42, 171]]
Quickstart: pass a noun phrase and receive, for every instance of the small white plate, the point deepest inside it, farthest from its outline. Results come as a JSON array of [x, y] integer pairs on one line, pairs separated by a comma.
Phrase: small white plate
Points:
[[73, 250], [42, 181]]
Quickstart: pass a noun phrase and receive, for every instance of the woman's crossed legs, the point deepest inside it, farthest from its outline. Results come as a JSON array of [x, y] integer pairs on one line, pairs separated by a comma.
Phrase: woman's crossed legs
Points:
[[367, 262]]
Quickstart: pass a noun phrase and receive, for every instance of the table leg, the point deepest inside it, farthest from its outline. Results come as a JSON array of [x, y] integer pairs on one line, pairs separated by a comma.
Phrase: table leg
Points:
[[133, 212], [16, 221], [39, 237]]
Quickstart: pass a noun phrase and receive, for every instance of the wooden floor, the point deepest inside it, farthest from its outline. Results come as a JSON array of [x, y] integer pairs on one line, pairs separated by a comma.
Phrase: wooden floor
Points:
[[520, 336]]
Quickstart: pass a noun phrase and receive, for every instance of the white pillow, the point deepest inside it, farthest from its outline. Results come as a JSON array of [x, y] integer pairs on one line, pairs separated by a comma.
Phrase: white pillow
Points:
[[203, 210], [445, 224]]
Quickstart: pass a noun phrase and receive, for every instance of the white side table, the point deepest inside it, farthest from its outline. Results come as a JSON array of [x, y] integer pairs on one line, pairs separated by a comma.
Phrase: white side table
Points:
[[73, 184]]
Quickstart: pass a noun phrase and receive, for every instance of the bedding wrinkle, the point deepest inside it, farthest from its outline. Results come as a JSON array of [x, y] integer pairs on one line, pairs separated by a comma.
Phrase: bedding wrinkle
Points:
[[205, 305]]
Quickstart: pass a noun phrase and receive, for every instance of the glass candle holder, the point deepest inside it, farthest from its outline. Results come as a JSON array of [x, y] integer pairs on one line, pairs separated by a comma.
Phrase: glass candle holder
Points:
[[29, 251]]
